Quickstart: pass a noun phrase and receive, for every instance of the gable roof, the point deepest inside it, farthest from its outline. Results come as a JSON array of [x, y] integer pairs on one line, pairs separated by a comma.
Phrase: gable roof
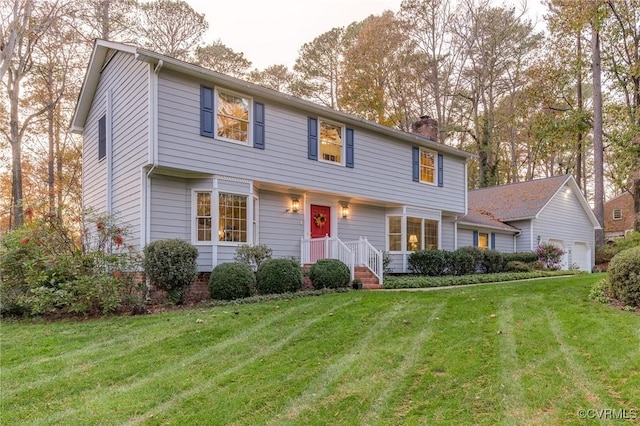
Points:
[[101, 51], [520, 201]]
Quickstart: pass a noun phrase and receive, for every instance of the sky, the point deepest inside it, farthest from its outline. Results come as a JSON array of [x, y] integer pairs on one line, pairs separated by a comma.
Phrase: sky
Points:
[[271, 32]]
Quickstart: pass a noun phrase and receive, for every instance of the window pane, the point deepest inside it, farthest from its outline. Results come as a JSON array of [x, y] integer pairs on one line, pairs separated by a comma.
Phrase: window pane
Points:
[[233, 218], [414, 233], [233, 117], [395, 233], [203, 216], [430, 234], [395, 242], [330, 142], [427, 166], [395, 224], [483, 240]]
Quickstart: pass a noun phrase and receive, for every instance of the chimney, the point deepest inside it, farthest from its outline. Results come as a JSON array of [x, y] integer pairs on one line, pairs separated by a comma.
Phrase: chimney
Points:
[[427, 127]]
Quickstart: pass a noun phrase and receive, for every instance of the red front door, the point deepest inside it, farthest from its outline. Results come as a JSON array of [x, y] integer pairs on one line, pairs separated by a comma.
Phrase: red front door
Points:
[[320, 228], [320, 221]]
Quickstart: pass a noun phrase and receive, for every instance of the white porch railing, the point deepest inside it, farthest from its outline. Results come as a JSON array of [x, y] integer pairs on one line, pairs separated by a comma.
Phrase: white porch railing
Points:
[[314, 249], [367, 255], [352, 253]]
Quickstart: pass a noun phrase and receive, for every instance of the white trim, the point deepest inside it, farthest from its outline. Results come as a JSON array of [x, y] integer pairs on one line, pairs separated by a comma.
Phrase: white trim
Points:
[[343, 148], [109, 151], [143, 207], [435, 166], [193, 217], [216, 94]]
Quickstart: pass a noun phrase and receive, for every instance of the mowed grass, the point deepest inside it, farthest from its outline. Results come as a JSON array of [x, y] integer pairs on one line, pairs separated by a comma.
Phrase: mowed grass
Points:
[[522, 353]]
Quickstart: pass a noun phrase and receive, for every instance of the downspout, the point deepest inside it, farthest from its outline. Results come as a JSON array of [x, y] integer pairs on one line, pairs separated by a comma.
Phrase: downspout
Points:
[[153, 159]]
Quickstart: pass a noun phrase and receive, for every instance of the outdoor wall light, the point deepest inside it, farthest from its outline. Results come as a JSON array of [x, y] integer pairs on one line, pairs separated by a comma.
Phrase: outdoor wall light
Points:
[[539, 239], [344, 210], [295, 206]]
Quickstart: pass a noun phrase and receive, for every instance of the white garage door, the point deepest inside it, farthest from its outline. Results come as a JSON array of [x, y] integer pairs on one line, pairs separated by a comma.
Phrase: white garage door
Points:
[[581, 256], [560, 244]]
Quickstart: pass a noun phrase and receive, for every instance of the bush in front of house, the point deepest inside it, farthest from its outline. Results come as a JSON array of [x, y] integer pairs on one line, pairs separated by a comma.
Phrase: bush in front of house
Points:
[[460, 262], [428, 262], [492, 261], [476, 253], [550, 255], [229, 281], [275, 276], [517, 266], [329, 273], [171, 265], [253, 255], [624, 276], [523, 256]]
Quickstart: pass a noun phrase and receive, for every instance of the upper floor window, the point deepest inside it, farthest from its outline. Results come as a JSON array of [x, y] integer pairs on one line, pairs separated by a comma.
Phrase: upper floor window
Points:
[[617, 214], [231, 116], [331, 137], [427, 166], [102, 137]]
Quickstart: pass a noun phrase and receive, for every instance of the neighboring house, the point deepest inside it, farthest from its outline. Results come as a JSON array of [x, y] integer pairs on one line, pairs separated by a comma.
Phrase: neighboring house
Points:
[[518, 217], [179, 151], [618, 217]]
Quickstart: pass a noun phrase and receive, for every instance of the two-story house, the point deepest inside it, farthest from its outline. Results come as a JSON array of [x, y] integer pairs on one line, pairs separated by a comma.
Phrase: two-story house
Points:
[[179, 151]]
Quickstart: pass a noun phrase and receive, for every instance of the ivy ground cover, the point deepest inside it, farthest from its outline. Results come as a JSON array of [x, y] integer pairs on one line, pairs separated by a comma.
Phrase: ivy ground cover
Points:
[[537, 352]]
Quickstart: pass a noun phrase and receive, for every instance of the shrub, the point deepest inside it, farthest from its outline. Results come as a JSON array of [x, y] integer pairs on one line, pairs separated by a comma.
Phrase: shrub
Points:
[[600, 291], [42, 270], [624, 276], [492, 261], [253, 255], [517, 266], [550, 255], [386, 263], [537, 265], [171, 264], [229, 281], [329, 273], [460, 262], [277, 276], [524, 257], [428, 262], [477, 256]]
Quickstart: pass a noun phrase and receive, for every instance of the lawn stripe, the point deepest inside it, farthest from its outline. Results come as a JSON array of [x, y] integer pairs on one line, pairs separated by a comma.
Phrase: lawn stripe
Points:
[[319, 386], [407, 365], [513, 400], [576, 374], [245, 334], [213, 380]]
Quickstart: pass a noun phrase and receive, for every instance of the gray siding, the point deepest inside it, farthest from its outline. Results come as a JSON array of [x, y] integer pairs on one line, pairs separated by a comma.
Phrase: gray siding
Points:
[[279, 229], [465, 237], [127, 79], [170, 208], [448, 233], [504, 243], [524, 242], [564, 219], [364, 221], [386, 161]]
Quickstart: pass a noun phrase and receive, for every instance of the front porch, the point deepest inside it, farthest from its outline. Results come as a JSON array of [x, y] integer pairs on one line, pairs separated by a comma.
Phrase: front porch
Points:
[[362, 258]]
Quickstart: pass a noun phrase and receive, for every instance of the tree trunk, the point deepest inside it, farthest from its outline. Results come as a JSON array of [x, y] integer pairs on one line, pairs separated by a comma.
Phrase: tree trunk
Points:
[[580, 108], [598, 153], [51, 156], [13, 91]]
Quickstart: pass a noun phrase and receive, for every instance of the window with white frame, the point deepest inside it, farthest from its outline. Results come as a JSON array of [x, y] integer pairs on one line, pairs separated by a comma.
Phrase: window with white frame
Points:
[[232, 116], [617, 214], [331, 141], [418, 234], [427, 166], [483, 240], [232, 218], [203, 216]]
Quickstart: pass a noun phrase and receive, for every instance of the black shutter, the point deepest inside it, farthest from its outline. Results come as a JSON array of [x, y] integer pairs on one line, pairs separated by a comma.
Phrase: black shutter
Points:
[[206, 111], [313, 138], [416, 163], [440, 170], [102, 137], [258, 125], [349, 162]]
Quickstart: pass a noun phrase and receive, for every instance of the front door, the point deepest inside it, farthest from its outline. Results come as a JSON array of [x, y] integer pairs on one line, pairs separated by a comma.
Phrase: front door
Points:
[[320, 227], [320, 221]]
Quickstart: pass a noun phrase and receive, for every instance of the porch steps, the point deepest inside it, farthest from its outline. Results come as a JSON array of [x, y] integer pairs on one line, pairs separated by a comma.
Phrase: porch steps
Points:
[[369, 281]]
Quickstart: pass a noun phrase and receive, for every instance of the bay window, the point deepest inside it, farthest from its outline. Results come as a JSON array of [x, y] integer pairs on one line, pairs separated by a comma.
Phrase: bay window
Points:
[[407, 233]]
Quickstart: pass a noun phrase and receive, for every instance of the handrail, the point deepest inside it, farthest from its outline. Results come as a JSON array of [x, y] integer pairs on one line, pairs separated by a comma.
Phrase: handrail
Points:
[[314, 249], [367, 255]]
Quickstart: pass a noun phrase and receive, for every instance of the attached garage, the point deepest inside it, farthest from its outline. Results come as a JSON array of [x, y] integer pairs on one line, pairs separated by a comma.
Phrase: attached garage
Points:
[[581, 256]]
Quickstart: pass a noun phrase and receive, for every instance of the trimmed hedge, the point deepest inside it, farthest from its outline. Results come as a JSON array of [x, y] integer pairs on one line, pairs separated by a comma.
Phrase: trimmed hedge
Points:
[[624, 276], [492, 261], [276, 276], [428, 262], [229, 281], [524, 257], [329, 273], [517, 266], [171, 264], [447, 281]]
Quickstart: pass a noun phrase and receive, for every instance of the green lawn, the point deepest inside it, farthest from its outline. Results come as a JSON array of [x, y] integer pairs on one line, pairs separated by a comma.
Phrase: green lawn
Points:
[[520, 353]]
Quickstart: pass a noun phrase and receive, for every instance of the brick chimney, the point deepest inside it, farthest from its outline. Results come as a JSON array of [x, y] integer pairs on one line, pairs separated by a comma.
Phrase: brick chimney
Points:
[[427, 127]]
